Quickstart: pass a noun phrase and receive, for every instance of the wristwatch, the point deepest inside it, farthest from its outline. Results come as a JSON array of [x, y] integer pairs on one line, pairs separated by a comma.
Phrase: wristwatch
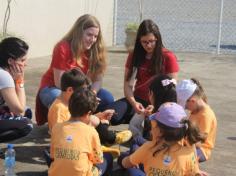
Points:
[[21, 85]]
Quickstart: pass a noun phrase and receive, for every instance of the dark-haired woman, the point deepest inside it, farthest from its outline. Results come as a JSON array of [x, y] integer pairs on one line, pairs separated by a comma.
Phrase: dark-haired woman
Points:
[[13, 123], [149, 59]]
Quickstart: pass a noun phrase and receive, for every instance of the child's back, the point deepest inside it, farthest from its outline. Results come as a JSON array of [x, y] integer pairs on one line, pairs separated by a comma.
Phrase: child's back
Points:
[[75, 148], [191, 95], [206, 121], [178, 160]]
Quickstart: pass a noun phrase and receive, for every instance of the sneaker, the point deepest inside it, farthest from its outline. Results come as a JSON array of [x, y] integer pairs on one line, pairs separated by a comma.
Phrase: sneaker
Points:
[[115, 152], [123, 136]]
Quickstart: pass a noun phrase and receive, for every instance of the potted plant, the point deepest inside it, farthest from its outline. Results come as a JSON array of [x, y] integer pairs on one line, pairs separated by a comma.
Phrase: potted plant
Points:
[[131, 32], [132, 28]]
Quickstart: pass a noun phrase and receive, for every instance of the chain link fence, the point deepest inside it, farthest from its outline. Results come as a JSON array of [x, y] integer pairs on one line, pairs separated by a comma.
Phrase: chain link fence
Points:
[[185, 25]]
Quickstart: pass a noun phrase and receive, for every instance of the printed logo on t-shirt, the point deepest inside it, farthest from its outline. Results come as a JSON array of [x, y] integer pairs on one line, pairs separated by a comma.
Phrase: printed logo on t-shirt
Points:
[[69, 138], [166, 160]]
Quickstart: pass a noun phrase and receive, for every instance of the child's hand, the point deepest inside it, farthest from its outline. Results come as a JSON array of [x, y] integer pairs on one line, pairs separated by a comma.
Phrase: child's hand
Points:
[[203, 173], [148, 110], [106, 115]]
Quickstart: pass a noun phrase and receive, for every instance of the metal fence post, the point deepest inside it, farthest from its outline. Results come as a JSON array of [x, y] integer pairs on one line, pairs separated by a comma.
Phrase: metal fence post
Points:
[[220, 26], [114, 23]]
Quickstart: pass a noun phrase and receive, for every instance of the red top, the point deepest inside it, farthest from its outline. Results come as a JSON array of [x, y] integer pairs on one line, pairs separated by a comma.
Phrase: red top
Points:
[[62, 59], [144, 74]]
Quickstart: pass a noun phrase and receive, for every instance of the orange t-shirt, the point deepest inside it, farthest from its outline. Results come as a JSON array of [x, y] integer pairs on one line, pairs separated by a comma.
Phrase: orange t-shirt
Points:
[[75, 148], [177, 161], [57, 113], [206, 121]]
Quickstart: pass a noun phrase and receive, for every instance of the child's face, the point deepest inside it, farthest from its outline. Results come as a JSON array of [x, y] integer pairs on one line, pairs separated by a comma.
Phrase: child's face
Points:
[[191, 103], [155, 130]]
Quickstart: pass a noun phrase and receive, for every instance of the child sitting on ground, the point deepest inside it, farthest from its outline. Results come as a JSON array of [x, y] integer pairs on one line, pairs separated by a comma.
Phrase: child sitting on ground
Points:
[[58, 112], [191, 96], [161, 90], [75, 145], [166, 154]]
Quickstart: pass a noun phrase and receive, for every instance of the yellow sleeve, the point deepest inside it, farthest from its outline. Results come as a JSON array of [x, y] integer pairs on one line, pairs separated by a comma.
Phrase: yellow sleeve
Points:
[[139, 156], [96, 155], [55, 115], [205, 124]]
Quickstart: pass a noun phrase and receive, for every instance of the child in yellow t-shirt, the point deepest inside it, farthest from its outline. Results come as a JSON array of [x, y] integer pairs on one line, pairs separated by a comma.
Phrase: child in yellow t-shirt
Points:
[[58, 112], [166, 154], [190, 95], [75, 145]]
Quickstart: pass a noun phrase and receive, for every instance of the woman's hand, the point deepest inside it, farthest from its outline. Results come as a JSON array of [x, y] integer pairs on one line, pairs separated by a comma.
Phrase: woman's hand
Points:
[[16, 71], [148, 111], [138, 107]]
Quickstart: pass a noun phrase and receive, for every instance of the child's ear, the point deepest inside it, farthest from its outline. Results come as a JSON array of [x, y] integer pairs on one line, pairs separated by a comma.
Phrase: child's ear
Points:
[[69, 89], [90, 113]]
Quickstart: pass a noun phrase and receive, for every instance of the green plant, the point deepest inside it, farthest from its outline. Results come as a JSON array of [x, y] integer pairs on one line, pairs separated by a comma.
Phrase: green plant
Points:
[[132, 26]]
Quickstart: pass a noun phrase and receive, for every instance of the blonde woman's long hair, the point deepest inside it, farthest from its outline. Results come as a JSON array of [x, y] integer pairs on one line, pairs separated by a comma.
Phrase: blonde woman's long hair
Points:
[[97, 53]]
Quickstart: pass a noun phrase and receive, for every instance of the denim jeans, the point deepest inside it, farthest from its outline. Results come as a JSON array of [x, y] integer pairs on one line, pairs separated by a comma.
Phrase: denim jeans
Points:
[[14, 126], [107, 165], [48, 94], [200, 155]]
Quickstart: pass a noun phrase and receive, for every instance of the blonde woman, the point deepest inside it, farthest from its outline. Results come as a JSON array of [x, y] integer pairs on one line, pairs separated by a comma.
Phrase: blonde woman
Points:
[[82, 47]]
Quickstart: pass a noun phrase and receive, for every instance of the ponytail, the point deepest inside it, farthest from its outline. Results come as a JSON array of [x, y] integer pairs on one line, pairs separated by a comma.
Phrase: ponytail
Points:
[[199, 91], [193, 133]]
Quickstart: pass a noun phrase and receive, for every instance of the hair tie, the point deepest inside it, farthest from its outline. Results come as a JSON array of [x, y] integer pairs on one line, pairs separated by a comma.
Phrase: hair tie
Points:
[[166, 82], [186, 125]]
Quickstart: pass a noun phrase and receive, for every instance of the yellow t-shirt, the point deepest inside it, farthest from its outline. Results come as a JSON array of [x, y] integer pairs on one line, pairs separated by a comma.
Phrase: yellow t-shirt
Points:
[[58, 113], [206, 121], [75, 148], [177, 161]]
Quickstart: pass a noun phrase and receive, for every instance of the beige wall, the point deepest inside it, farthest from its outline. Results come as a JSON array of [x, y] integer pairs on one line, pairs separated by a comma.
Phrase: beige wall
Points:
[[43, 22]]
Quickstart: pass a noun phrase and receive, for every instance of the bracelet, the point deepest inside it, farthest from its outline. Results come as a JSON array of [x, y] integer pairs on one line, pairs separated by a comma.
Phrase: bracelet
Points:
[[20, 82]]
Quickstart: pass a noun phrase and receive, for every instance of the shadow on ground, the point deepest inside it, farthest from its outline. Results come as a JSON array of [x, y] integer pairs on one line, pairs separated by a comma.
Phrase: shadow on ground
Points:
[[32, 173]]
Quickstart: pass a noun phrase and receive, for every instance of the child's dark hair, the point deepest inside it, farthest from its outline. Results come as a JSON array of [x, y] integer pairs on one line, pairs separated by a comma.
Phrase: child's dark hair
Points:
[[199, 92], [82, 101], [74, 78], [189, 131], [13, 48], [162, 93]]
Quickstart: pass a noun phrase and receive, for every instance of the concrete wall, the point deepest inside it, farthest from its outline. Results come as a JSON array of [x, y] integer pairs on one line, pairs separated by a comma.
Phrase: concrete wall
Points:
[[43, 22]]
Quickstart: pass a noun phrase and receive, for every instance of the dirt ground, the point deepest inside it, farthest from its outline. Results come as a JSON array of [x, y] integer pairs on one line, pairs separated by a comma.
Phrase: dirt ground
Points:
[[217, 74]]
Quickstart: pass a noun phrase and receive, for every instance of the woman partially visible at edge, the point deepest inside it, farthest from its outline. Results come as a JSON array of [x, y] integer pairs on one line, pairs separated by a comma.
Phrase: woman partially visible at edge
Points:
[[149, 59], [81, 47], [13, 121]]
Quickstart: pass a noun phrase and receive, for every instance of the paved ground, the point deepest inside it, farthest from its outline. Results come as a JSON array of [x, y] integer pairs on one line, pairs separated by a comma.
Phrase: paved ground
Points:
[[217, 74]]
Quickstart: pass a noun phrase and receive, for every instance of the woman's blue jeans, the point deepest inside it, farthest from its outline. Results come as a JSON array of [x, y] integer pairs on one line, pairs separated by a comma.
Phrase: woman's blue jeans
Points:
[[48, 94]]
